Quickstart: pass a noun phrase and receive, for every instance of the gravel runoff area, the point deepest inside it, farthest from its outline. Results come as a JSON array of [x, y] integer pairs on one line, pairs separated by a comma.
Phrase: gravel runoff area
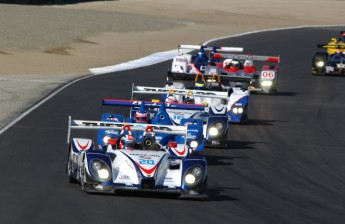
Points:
[[43, 47]]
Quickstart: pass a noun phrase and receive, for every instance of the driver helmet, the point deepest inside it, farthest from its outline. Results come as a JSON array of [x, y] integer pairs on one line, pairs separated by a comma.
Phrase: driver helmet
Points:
[[226, 63], [248, 63], [235, 63], [142, 116], [333, 40], [171, 98], [199, 85], [213, 83], [128, 141], [200, 54]]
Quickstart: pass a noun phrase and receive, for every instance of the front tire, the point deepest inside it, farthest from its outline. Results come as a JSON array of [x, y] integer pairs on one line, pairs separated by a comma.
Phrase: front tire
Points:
[[69, 169]]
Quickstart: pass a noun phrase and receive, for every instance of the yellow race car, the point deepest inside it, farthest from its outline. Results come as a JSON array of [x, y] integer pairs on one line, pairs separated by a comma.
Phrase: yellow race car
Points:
[[334, 45]]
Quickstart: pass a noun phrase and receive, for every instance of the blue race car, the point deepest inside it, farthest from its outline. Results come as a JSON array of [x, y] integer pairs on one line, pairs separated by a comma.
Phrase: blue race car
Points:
[[213, 119]]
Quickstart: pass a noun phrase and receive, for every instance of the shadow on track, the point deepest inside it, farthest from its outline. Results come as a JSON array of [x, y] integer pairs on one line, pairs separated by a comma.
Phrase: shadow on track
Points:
[[262, 122], [216, 194]]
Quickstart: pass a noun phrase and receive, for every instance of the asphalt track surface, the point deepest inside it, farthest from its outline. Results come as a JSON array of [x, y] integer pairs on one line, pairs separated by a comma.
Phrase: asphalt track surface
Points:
[[285, 166]]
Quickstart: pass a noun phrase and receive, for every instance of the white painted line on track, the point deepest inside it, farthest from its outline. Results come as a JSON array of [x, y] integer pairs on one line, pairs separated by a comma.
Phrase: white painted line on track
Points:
[[156, 58], [141, 62], [39, 104]]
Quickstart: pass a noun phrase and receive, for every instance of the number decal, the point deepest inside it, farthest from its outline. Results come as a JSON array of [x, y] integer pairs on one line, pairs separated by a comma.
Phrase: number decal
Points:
[[267, 74], [146, 162]]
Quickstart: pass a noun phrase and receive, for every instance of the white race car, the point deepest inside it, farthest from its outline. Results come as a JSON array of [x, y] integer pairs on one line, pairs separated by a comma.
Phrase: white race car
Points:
[[142, 166]]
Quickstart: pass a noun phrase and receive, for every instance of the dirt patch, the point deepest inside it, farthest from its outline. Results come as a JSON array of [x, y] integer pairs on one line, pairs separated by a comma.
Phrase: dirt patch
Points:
[[59, 50]]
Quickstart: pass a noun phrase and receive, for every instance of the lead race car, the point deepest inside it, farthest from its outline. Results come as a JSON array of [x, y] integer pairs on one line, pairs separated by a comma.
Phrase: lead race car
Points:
[[121, 164], [229, 92]]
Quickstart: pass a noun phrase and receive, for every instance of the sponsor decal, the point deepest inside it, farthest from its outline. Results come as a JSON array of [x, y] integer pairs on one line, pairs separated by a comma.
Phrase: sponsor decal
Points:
[[112, 119], [99, 187], [267, 74], [215, 142], [143, 155], [181, 60], [178, 117], [168, 179], [138, 126], [146, 162], [129, 164], [124, 177], [110, 132]]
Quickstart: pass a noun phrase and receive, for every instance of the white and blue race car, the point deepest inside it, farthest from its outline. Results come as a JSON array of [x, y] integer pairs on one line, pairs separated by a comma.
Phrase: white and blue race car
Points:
[[213, 119], [227, 91], [147, 165]]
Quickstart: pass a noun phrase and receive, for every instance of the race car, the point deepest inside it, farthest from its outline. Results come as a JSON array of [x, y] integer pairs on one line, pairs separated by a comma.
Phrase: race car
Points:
[[213, 121], [219, 91], [147, 165], [329, 62], [262, 81], [185, 62]]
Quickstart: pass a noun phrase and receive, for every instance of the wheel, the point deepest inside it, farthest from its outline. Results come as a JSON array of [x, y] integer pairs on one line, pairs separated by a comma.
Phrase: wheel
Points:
[[273, 91], [68, 170], [83, 183]]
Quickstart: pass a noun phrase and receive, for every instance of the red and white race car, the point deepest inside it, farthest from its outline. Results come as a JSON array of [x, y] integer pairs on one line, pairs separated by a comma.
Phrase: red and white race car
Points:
[[263, 81]]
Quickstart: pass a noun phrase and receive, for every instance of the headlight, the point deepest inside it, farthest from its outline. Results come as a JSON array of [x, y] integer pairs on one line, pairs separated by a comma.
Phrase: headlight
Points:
[[237, 110], [106, 139], [193, 144], [320, 63], [190, 179], [100, 170], [213, 131], [103, 173], [194, 175], [266, 83]]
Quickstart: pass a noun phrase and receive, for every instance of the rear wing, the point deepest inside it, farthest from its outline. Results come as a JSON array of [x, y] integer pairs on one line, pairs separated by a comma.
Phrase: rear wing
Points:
[[172, 76], [335, 46], [150, 104], [100, 125], [184, 92], [274, 59], [210, 48]]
